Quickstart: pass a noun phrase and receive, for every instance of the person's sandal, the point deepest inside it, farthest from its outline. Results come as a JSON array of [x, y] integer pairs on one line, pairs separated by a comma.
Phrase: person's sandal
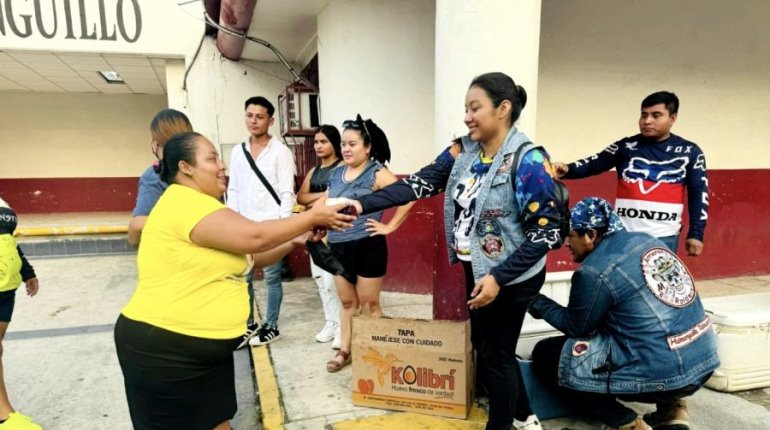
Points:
[[334, 365]]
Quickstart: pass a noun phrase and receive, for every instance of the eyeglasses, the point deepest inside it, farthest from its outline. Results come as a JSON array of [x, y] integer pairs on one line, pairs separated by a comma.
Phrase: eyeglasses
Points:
[[357, 125]]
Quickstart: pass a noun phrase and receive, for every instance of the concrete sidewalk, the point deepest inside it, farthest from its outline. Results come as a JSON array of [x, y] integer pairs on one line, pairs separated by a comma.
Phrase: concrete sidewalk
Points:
[[296, 391], [61, 369], [59, 355]]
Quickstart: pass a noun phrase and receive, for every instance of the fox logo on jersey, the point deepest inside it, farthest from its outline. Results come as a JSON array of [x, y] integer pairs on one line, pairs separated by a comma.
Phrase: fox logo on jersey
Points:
[[639, 170]]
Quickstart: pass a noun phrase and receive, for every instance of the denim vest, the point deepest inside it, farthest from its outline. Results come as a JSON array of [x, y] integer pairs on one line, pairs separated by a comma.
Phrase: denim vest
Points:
[[361, 186], [652, 338], [496, 214]]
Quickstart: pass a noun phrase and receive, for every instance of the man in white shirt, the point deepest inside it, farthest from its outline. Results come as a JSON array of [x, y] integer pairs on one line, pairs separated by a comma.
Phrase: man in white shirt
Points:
[[250, 197]]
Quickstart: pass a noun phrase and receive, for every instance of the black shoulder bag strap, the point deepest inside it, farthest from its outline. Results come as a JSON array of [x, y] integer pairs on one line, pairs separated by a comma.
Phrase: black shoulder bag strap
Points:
[[517, 158], [259, 174]]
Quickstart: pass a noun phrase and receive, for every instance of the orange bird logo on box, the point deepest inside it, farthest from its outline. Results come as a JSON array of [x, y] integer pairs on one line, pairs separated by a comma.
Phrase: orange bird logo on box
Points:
[[383, 364]]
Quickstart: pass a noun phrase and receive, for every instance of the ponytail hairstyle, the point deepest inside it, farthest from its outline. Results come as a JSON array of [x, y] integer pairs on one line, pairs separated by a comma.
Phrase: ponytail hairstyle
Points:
[[373, 137], [499, 87], [333, 135], [180, 147]]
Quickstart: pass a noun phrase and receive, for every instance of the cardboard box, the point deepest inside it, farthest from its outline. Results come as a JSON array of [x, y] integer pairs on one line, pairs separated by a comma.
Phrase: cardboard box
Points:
[[413, 365], [742, 325]]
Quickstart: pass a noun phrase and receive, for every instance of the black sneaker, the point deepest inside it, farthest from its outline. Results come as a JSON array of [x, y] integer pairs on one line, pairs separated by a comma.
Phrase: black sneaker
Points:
[[264, 336], [251, 330], [672, 416]]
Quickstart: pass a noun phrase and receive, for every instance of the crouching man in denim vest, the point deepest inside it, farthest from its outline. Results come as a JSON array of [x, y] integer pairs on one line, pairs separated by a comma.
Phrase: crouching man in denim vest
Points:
[[635, 326]]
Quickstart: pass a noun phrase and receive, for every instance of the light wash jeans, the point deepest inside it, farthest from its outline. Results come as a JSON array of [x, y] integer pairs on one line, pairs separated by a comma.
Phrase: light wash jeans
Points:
[[327, 290], [272, 279]]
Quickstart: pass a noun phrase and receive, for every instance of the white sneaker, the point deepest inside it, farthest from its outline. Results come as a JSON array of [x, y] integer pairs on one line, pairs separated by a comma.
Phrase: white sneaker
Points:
[[337, 342], [327, 332], [532, 423]]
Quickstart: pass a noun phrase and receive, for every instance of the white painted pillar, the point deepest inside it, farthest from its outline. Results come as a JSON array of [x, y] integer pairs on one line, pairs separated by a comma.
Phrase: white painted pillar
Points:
[[177, 98], [376, 58], [480, 36], [472, 38]]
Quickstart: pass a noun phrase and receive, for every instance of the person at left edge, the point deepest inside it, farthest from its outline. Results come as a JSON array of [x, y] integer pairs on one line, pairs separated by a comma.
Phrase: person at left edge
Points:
[[14, 269], [175, 337]]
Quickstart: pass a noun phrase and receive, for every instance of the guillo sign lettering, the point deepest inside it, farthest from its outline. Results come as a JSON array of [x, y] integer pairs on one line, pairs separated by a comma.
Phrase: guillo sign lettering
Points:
[[72, 19]]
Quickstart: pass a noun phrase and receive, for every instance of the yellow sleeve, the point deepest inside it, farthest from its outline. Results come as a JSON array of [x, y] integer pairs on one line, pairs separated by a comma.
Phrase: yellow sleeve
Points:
[[183, 209]]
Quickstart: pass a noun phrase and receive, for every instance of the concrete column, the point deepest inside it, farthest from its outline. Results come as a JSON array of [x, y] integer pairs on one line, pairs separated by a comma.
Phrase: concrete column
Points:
[[376, 58], [474, 38], [177, 99]]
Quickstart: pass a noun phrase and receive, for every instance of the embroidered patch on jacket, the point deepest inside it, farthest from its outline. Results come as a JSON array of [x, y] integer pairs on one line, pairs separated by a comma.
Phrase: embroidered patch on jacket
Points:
[[680, 340], [494, 213], [492, 245], [581, 347], [667, 278], [507, 164], [487, 226]]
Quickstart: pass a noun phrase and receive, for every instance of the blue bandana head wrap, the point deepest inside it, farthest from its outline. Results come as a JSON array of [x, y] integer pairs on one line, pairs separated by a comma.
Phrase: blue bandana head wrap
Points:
[[593, 212]]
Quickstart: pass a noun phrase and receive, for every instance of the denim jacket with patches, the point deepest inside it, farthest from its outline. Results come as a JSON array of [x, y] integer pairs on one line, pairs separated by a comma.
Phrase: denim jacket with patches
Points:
[[496, 232], [634, 320], [536, 228]]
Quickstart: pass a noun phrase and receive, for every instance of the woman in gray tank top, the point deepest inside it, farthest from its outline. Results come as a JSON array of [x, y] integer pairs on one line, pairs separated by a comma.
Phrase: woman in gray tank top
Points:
[[362, 249]]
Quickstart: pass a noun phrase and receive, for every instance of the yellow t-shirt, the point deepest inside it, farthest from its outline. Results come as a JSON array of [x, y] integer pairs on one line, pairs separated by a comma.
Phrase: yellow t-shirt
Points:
[[10, 263], [183, 287]]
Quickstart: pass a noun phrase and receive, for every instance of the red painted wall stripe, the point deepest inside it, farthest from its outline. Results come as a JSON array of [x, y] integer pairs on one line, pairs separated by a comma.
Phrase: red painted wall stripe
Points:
[[738, 227], [61, 195]]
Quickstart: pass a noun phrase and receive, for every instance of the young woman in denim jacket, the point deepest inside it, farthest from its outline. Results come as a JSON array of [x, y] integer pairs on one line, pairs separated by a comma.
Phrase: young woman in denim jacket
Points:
[[498, 230]]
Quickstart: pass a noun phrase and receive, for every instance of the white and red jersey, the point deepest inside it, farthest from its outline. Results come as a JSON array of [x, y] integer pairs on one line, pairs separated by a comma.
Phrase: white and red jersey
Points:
[[653, 180]]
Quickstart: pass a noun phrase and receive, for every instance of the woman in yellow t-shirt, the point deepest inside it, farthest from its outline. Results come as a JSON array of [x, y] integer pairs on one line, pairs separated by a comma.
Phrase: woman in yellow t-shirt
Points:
[[176, 335]]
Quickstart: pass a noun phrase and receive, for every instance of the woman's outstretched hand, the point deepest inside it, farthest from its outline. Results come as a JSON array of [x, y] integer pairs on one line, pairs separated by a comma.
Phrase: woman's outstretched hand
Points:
[[329, 216]]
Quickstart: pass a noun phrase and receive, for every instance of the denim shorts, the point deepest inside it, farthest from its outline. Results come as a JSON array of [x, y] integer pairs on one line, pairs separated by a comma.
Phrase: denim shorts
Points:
[[7, 301]]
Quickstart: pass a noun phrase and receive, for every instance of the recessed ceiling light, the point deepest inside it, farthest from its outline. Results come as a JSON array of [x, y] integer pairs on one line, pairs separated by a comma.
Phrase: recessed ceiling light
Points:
[[111, 77]]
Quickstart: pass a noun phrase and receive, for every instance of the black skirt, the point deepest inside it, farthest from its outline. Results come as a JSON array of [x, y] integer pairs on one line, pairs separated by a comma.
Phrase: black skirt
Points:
[[174, 381]]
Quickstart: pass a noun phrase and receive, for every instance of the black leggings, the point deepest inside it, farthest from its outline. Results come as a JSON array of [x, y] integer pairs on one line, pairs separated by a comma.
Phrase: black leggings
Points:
[[495, 330]]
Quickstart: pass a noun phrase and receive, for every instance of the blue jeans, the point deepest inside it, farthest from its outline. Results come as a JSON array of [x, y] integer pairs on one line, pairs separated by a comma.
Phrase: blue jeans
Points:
[[599, 406], [672, 242], [272, 279]]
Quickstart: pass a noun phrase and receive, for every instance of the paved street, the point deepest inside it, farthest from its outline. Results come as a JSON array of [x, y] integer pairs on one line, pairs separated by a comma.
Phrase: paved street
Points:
[[61, 368], [59, 355]]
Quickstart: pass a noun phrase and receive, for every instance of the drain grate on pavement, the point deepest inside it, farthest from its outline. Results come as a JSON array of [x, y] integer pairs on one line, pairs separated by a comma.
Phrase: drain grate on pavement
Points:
[[76, 246]]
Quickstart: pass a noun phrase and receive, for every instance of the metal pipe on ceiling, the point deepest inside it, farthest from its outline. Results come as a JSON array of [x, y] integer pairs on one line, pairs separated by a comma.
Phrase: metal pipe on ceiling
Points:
[[234, 15]]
